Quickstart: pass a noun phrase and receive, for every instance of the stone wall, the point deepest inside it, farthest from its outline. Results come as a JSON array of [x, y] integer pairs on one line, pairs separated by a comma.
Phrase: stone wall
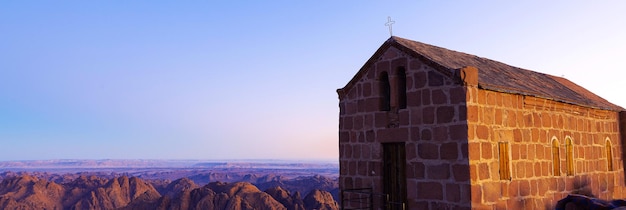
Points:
[[452, 130], [433, 126], [529, 125]]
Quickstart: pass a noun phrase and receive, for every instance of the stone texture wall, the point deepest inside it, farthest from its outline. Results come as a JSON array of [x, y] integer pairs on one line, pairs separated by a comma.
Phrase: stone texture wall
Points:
[[451, 129], [433, 126], [529, 124]]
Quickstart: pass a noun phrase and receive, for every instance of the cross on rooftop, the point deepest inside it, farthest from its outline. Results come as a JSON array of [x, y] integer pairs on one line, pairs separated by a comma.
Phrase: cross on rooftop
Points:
[[389, 23]]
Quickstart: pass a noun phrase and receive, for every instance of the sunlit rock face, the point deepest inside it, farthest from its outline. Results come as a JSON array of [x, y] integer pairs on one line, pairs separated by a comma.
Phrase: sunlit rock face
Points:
[[25, 191]]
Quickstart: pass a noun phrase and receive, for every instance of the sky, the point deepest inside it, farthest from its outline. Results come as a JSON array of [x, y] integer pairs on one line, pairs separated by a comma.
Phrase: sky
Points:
[[253, 79]]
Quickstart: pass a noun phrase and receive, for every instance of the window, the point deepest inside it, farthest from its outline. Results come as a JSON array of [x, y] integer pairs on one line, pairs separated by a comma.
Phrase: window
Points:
[[385, 92], [401, 88], [569, 154], [505, 170], [556, 160], [609, 155]]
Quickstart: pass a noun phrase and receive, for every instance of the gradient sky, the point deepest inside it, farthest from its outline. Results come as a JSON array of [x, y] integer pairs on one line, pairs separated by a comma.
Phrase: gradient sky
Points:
[[253, 79]]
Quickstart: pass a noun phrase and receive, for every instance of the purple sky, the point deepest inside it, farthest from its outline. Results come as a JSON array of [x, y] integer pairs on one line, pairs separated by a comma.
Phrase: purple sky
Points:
[[253, 79]]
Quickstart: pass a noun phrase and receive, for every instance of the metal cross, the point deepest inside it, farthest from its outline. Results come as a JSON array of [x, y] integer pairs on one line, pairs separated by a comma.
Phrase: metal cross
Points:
[[389, 23]]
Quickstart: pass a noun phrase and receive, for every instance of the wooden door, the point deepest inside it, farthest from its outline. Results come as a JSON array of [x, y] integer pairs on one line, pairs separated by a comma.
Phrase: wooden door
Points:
[[394, 174]]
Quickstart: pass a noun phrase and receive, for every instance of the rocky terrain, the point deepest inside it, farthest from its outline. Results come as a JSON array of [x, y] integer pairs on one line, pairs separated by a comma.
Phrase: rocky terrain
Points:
[[155, 184], [49, 191]]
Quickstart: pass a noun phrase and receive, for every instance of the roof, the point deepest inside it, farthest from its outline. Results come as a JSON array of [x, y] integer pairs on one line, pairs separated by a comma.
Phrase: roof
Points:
[[496, 76]]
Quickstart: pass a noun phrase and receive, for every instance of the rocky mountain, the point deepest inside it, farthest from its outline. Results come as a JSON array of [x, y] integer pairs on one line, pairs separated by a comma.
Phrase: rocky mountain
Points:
[[27, 191]]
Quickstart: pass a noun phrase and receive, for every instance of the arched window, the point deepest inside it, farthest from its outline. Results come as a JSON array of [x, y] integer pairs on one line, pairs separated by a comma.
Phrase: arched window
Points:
[[569, 154], [556, 159], [401, 88], [385, 92], [609, 154]]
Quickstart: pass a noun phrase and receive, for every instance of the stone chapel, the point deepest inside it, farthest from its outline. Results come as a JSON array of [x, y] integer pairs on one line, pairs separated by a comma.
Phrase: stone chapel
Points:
[[423, 127]]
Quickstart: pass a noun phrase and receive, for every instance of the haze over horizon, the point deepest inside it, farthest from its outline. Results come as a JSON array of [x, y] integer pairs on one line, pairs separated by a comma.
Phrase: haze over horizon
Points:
[[252, 80]]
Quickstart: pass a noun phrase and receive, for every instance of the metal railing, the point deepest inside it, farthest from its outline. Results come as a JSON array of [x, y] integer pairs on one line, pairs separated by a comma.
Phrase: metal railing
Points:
[[366, 198]]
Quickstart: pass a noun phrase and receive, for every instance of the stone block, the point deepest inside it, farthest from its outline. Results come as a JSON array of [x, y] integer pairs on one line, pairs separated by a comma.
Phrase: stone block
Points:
[[358, 122], [418, 170], [453, 193], [476, 194], [420, 79], [546, 120], [369, 105], [439, 97], [474, 150], [483, 171], [370, 136], [368, 121], [513, 189], [445, 114], [486, 150], [411, 191], [491, 98], [440, 133], [347, 150], [393, 135], [362, 168], [449, 151], [482, 132], [367, 89], [464, 150], [457, 95], [537, 169], [462, 112], [518, 170], [428, 151], [529, 169], [426, 97], [469, 75], [539, 152], [472, 113], [461, 172], [380, 119], [429, 190], [428, 115], [435, 79], [352, 168], [524, 188], [426, 134], [481, 96], [344, 136], [491, 191], [473, 173], [416, 115], [415, 133], [438, 172], [515, 151], [366, 151], [356, 151], [498, 116], [511, 117]]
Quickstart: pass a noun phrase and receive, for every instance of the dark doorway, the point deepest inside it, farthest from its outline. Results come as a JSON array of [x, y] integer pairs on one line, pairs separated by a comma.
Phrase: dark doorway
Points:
[[394, 175]]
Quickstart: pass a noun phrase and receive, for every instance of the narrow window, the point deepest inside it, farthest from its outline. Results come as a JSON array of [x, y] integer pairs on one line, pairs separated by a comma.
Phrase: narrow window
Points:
[[569, 154], [609, 155], [556, 160], [505, 170], [385, 92], [401, 88]]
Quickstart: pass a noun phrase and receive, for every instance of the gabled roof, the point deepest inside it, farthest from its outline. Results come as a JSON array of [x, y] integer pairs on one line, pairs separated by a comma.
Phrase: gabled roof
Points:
[[494, 75]]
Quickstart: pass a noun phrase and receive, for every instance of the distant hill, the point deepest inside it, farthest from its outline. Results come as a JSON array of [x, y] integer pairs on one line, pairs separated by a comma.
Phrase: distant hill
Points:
[[26, 191], [137, 163], [168, 184]]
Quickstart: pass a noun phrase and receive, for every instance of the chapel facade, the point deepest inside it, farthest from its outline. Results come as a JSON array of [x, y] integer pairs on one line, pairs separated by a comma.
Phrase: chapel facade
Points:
[[423, 127]]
